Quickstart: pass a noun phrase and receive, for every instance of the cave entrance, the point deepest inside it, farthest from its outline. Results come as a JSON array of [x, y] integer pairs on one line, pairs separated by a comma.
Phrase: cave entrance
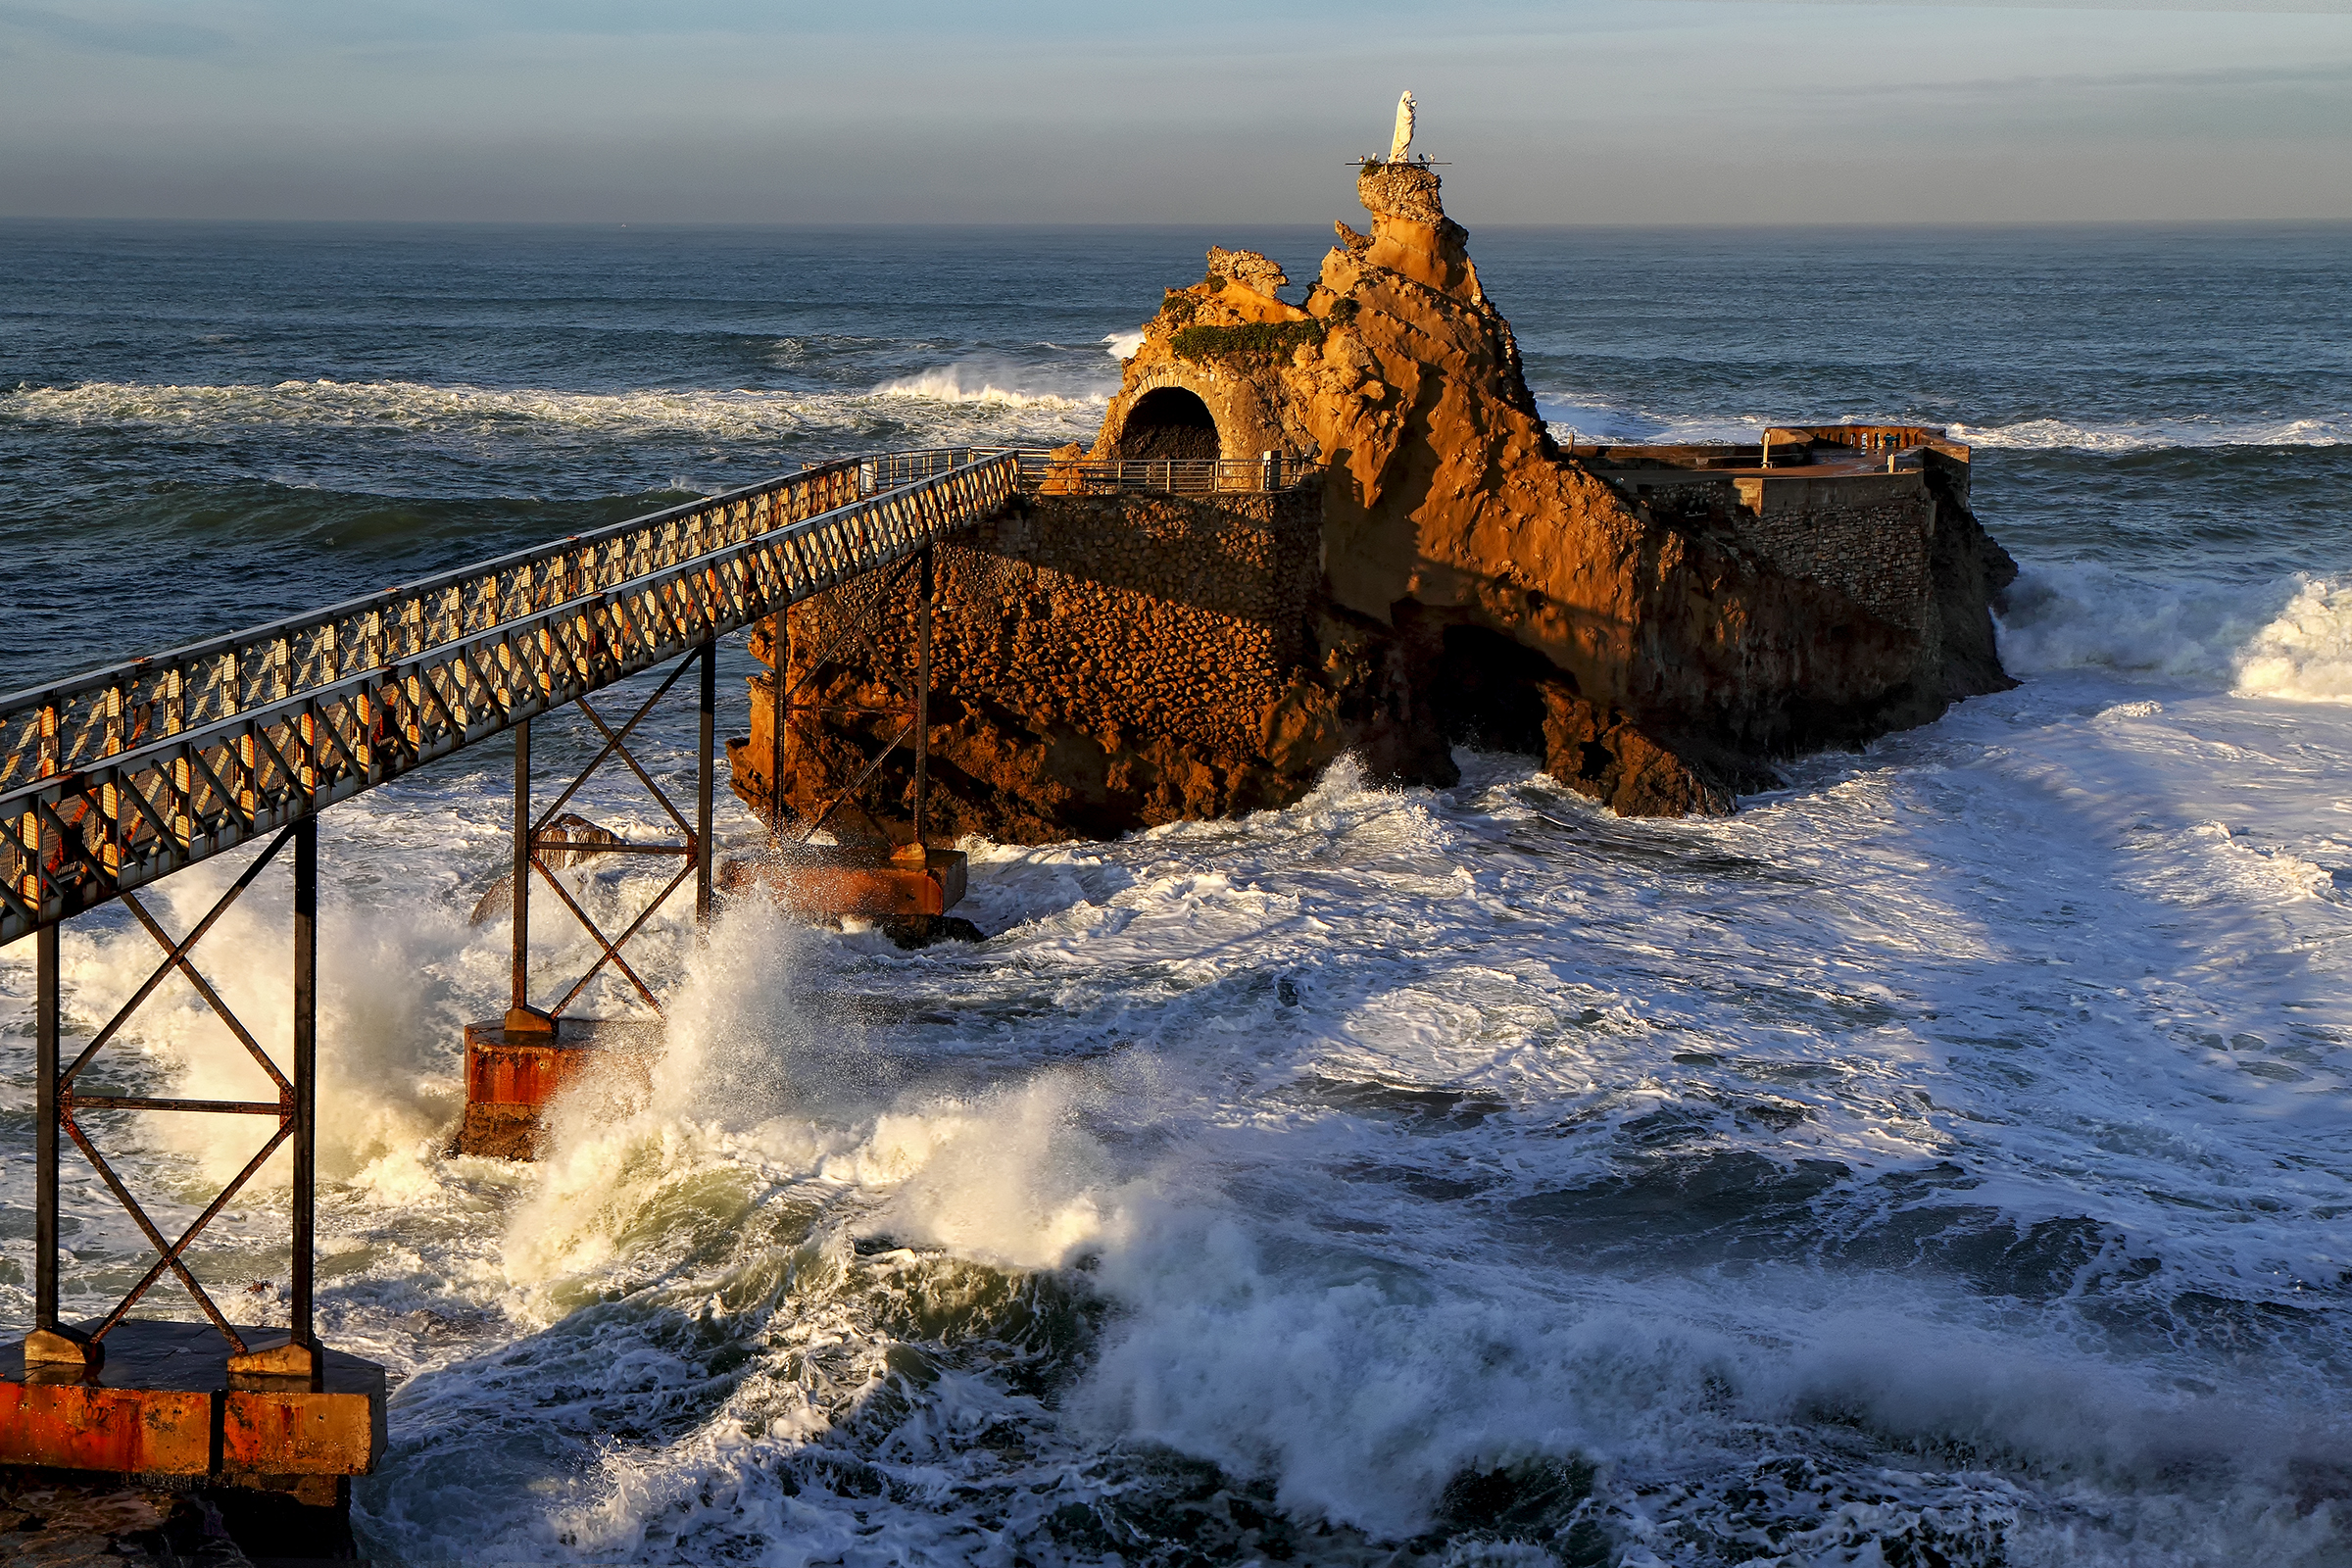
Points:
[[1493, 697], [1169, 423]]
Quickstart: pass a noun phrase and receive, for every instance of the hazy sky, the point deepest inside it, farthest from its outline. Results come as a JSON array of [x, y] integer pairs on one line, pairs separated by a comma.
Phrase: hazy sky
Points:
[[1611, 111]]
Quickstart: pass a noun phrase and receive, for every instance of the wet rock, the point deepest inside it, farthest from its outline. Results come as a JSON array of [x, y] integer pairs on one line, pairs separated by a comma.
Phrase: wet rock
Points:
[[912, 931], [1675, 657], [69, 1519]]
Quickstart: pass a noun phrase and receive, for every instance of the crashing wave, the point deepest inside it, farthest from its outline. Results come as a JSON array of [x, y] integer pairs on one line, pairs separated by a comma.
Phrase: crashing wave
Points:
[[2291, 638], [971, 382]]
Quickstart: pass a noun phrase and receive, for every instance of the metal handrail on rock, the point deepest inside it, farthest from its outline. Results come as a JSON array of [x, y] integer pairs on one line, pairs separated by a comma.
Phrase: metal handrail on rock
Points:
[[1049, 472]]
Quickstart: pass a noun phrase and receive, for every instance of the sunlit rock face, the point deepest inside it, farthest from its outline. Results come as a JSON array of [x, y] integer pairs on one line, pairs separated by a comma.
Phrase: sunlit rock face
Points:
[[1657, 624], [1675, 647]]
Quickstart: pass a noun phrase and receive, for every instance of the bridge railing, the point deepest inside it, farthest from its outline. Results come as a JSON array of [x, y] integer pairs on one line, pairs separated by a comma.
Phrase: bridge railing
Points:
[[114, 779], [72, 722], [1042, 471]]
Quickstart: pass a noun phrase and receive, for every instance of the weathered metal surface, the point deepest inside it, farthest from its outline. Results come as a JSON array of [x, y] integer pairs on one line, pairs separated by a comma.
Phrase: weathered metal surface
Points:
[[300, 1433], [166, 1403], [514, 1069], [510, 1075], [113, 780], [71, 1426], [860, 880]]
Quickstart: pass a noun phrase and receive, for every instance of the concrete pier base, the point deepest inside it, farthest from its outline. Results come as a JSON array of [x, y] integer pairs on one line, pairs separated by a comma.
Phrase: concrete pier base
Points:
[[164, 1402], [866, 881], [512, 1074]]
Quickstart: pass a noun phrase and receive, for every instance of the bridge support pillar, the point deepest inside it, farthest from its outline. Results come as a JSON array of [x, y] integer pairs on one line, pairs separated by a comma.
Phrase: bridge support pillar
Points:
[[516, 1064], [299, 1355], [214, 1402], [706, 776], [522, 1016], [51, 1342], [779, 651]]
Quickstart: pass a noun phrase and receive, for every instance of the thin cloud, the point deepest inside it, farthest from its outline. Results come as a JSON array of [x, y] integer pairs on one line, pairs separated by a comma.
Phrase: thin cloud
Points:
[[2220, 77], [143, 38]]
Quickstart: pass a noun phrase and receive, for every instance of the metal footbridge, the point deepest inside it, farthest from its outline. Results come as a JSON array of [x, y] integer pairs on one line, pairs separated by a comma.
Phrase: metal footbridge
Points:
[[113, 780]]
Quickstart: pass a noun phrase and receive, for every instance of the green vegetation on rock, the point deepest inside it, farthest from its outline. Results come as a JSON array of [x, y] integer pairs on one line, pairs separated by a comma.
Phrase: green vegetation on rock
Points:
[[1249, 341]]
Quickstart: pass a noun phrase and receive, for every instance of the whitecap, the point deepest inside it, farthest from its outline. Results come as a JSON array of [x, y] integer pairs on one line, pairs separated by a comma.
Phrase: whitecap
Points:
[[2058, 434], [1597, 420], [985, 381], [990, 407]]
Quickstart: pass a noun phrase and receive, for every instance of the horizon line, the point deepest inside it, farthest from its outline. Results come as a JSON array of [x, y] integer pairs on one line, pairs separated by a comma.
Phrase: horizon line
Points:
[[1012, 224]]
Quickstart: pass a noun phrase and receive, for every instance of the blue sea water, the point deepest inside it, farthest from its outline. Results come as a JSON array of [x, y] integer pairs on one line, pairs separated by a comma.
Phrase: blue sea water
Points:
[[1944, 1160]]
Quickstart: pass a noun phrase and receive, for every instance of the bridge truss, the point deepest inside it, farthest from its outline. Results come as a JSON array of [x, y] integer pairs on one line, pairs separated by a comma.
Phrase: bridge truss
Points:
[[114, 780]]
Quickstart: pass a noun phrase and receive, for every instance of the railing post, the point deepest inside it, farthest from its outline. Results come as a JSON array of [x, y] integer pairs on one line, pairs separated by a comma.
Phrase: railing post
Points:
[[703, 782], [300, 1329]]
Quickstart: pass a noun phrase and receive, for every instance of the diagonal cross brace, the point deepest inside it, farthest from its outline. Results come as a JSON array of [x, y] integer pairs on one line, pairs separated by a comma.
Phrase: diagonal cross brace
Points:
[[204, 989], [612, 950], [175, 958], [169, 1252]]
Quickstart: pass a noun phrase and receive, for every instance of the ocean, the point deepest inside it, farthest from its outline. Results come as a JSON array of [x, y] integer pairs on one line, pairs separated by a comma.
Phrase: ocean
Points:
[[1944, 1161]]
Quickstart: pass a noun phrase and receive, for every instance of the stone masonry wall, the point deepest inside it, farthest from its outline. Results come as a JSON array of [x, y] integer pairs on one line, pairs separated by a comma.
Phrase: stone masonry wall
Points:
[[1136, 610], [1870, 537], [1098, 663]]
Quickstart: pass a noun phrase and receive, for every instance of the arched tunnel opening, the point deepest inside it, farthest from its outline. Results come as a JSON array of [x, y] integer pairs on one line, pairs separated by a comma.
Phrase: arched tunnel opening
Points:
[[1169, 423]]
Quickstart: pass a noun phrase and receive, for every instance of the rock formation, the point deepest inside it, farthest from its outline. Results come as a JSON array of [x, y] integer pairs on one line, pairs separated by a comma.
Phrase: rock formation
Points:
[[1656, 624], [1672, 655]]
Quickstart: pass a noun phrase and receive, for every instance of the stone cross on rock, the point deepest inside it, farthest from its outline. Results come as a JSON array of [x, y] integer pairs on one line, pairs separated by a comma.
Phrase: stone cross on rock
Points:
[[1402, 142]]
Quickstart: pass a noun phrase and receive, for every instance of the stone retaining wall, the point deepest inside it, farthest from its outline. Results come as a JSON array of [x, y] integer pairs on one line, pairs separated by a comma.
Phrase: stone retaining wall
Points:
[[1098, 663], [1869, 536]]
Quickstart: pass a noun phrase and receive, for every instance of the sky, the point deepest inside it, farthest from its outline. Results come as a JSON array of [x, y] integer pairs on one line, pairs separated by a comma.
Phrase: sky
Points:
[[1186, 110]]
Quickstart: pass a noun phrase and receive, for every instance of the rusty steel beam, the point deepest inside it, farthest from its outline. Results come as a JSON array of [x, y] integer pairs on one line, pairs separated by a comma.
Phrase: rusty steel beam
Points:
[[111, 781], [522, 1018], [303, 1091]]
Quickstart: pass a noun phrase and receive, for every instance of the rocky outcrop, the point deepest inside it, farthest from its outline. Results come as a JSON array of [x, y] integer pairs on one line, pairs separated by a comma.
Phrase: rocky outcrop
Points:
[[1656, 635], [1673, 658]]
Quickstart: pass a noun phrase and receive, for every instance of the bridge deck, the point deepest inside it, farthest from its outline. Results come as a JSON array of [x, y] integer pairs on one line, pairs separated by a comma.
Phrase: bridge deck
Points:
[[115, 780]]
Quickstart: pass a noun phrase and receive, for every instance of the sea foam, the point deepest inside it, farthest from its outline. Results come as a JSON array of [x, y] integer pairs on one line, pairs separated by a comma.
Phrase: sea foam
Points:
[[484, 415], [2289, 638]]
